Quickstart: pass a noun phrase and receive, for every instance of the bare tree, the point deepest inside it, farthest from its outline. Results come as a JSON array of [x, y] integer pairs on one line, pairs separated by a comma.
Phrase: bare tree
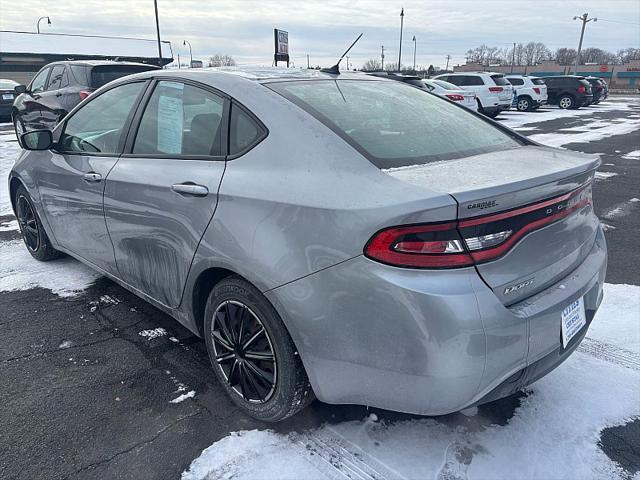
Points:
[[628, 54], [597, 55], [219, 60], [391, 66], [372, 65], [565, 56]]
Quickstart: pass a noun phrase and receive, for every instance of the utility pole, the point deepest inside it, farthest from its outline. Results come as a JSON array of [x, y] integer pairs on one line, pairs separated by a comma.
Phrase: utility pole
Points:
[[155, 6], [414, 53], [448, 58], [347, 62], [585, 19], [513, 56], [400, 49], [308, 65], [382, 56], [179, 66]]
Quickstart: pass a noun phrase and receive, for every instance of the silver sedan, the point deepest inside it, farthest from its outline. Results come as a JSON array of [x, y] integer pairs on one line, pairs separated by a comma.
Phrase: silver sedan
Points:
[[346, 237]]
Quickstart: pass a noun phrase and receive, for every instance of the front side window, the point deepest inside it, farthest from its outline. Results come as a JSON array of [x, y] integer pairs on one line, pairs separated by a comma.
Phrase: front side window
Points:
[[181, 119], [39, 81], [56, 78], [98, 125], [393, 124]]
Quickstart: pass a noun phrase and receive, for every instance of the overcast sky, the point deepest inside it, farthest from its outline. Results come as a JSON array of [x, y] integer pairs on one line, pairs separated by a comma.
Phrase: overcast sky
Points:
[[323, 29]]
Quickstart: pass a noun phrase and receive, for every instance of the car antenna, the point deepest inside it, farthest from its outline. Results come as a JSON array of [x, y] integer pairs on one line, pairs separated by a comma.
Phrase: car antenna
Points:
[[336, 68]]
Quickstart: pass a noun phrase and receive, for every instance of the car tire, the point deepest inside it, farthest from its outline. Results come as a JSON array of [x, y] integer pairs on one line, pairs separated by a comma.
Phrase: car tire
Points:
[[524, 104], [480, 109], [493, 114], [18, 127], [33, 234], [566, 102], [269, 382]]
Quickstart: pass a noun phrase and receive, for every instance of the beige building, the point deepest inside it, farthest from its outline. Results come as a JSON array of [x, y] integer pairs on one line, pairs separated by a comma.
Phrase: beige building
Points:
[[619, 76]]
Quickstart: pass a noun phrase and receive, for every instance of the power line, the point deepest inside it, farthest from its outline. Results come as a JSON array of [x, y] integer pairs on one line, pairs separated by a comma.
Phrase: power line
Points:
[[617, 21]]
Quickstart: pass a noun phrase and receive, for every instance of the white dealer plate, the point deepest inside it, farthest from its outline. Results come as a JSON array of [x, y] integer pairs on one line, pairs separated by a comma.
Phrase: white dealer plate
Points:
[[7, 96], [573, 319]]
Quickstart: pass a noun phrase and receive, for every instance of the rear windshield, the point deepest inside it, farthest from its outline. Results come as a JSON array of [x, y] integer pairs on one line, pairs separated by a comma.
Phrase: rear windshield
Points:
[[104, 74], [7, 84], [395, 125], [537, 81], [500, 80]]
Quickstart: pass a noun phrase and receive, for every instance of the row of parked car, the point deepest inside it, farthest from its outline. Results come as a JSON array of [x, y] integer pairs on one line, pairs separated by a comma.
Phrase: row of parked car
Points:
[[492, 93], [60, 86]]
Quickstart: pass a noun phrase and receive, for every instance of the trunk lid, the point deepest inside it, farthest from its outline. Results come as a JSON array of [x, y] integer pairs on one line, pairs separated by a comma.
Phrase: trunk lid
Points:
[[540, 195]]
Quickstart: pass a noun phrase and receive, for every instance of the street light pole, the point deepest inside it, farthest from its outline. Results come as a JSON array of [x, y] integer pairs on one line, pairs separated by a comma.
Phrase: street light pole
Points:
[[585, 19], [414, 53], [184, 43], [155, 6], [382, 56], [513, 57], [42, 18], [400, 49], [447, 67]]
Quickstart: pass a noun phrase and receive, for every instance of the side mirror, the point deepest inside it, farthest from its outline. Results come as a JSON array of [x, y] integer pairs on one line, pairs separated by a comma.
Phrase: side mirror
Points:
[[20, 89], [37, 140]]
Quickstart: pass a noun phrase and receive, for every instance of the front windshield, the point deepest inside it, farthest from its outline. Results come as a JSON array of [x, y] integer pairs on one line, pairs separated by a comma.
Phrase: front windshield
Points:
[[393, 124]]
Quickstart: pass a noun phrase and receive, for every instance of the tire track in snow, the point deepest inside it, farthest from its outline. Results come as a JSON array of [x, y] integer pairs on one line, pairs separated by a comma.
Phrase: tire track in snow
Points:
[[610, 353]]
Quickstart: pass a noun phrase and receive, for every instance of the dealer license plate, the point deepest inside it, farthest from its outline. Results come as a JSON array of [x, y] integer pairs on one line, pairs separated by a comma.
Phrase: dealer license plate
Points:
[[573, 319], [7, 96]]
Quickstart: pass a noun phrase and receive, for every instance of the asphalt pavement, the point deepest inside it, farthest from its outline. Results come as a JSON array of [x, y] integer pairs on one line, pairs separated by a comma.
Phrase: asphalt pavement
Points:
[[86, 395]]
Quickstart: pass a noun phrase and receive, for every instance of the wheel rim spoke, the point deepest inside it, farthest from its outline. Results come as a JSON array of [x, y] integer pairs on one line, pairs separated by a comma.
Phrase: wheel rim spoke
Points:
[[250, 373]]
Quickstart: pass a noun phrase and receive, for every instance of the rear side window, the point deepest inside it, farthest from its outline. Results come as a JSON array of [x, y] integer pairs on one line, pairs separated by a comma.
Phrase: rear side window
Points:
[[393, 124], [103, 74], [244, 131], [500, 80], [473, 80], [80, 73], [537, 81], [516, 81], [57, 79], [181, 120], [97, 126]]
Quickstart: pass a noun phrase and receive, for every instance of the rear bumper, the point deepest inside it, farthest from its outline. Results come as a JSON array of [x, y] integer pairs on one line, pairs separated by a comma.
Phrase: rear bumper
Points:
[[422, 342], [5, 109]]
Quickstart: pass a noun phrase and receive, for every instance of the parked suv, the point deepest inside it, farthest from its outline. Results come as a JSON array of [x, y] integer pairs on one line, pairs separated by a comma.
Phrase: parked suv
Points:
[[493, 91], [530, 92], [568, 91], [599, 88], [60, 86]]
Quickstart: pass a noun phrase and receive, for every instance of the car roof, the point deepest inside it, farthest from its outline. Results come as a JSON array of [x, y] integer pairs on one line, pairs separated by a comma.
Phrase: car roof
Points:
[[97, 63], [474, 73]]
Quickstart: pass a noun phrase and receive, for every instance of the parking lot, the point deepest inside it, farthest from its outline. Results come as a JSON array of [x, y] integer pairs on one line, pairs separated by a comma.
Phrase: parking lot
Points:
[[99, 384]]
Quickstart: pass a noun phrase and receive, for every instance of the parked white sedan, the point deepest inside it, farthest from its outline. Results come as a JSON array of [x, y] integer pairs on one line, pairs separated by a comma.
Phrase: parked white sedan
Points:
[[453, 93]]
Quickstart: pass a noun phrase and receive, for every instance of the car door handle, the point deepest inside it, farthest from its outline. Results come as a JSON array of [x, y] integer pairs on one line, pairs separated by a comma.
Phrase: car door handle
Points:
[[92, 177], [190, 188]]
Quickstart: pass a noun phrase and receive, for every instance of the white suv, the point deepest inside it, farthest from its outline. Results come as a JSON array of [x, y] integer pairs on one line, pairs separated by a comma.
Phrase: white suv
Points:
[[531, 92], [493, 92]]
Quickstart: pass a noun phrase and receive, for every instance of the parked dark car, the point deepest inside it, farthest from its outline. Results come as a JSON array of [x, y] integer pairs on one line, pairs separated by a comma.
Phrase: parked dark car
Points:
[[568, 91], [6, 96], [599, 88], [60, 86]]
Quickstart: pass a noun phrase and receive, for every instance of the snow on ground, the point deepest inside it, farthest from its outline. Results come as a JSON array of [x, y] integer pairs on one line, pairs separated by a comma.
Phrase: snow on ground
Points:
[[9, 226], [184, 396], [151, 334], [635, 155], [20, 271], [9, 151], [585, 135], [553, 434]]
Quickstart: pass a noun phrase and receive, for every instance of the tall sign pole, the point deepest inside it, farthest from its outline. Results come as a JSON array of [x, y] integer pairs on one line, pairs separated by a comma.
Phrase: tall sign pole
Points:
[[400, 49], [155, 5]]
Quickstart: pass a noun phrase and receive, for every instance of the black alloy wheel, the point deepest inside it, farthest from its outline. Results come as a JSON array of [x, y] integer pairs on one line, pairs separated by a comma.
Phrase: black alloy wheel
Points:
[[244, 352], [28, 223]]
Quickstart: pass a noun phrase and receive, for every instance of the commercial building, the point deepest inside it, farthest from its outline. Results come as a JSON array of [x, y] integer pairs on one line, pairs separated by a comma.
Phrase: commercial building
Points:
[[620, 76], [22, 54]]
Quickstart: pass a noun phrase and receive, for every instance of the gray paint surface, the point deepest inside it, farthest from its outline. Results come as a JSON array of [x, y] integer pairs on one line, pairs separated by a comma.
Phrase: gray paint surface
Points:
[[292, 216]]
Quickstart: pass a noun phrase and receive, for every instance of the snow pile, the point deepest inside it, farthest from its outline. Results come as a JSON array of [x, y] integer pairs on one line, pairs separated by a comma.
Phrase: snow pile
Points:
[[20, 271], [9, 226], [184, 396], [553, 434], [151, 334], [635, 155]]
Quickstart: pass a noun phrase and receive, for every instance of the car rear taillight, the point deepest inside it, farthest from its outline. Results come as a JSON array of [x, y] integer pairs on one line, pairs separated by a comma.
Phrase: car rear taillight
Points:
[[495, 89], [84, 94], [470, 241], [435, 245], [581, 89], [537, 90], [455, 97]]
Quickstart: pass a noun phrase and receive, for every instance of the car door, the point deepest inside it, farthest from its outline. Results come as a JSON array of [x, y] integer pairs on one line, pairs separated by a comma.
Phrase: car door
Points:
[[51, 99], [29, 107], [552, 89], [162, 193], [71, 183]]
